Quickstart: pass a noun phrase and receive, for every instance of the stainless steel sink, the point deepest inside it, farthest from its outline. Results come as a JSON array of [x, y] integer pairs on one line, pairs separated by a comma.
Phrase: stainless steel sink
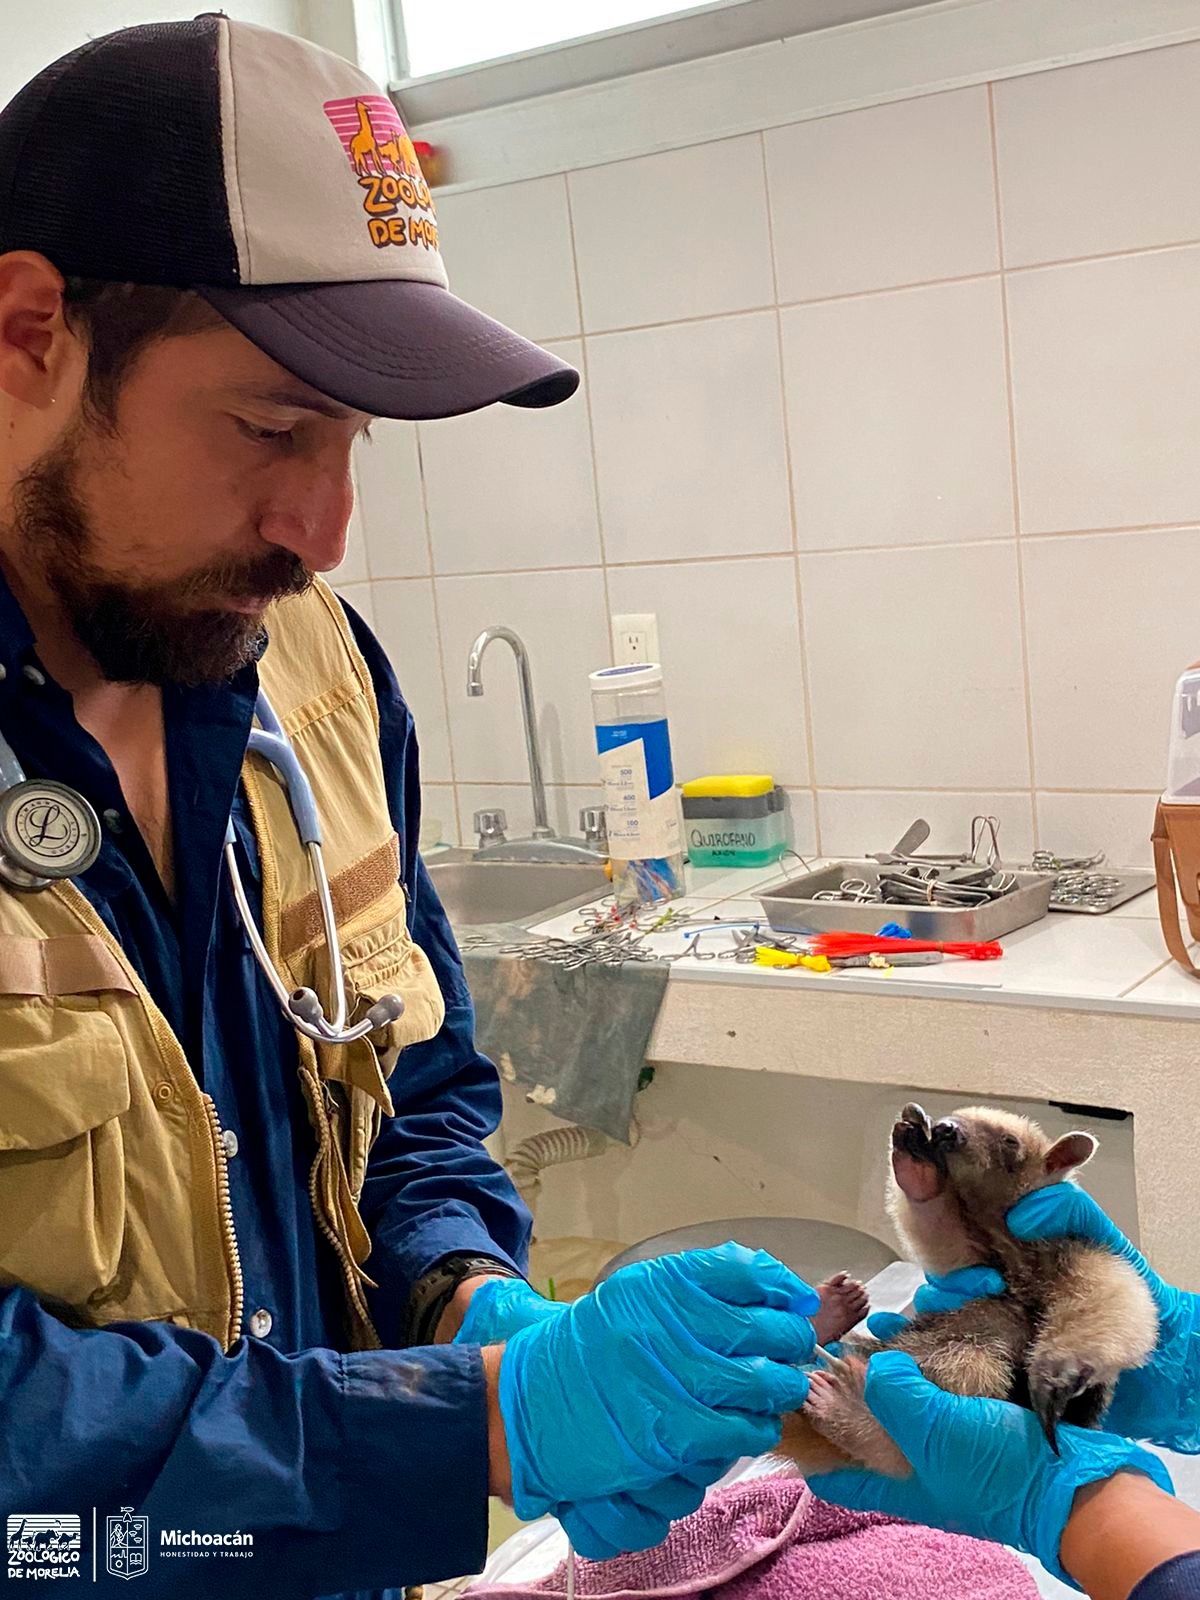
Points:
[[511, 891]]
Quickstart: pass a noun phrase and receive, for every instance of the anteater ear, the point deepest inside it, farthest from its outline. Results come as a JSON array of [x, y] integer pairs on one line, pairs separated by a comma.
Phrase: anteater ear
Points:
[[1071, 1151]]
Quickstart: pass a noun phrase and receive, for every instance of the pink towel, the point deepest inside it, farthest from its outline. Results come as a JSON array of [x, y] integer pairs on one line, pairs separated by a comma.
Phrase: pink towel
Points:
[[772, 1539]]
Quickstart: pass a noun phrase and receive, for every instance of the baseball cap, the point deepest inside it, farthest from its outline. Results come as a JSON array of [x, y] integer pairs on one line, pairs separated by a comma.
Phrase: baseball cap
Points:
[[278, 181]]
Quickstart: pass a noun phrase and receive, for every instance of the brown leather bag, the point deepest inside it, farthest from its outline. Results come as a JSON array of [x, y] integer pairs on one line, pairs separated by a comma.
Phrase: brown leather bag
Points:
[[1176, 840], [1176, 824], [1176, 869], [1176, 836]]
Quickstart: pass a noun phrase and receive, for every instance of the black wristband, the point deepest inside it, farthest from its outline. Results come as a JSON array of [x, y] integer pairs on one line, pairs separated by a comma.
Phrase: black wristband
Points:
[[435, 1289]]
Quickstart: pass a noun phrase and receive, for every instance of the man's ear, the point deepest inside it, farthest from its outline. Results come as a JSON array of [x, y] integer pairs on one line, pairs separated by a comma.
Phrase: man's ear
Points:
[[32, 335], [1071, 1151]]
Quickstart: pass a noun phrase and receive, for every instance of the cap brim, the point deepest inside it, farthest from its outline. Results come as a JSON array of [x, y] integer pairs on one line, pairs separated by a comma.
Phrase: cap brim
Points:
[[394, 348]]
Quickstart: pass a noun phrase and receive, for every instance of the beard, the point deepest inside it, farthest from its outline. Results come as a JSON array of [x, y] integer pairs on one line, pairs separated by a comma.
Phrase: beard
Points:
[[159, 633]]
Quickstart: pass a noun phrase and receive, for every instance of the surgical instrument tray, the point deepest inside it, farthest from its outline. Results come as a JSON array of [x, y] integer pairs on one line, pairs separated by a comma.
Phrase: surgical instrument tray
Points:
[[795, 904]]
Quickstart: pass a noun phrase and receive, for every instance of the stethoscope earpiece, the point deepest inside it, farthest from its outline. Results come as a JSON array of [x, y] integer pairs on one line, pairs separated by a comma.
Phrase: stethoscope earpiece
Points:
[[387, 1009], [303, 1003]]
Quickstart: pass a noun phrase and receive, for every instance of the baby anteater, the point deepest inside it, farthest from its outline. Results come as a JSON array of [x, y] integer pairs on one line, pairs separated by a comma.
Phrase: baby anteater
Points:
[[1073, 1319]]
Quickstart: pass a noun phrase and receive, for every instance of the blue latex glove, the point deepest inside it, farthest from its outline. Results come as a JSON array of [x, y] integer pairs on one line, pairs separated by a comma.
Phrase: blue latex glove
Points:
[[598, 1528], [666, 1365], [948, 1293], [601, 1529], [981, 1467], [1160, 1401], [499, 1307]]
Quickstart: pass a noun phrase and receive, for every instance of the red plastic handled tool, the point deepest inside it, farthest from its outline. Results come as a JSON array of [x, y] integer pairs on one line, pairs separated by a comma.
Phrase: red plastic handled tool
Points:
[[869, 944]]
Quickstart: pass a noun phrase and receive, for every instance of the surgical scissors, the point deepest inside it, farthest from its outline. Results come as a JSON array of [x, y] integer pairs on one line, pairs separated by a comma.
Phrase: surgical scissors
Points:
[[692, 949]]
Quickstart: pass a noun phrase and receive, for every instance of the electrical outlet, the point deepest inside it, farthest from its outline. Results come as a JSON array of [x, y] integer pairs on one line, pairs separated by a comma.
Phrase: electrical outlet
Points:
[[635, 638]]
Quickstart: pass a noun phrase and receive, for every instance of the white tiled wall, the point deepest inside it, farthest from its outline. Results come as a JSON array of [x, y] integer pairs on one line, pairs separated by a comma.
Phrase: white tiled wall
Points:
[[892, 417]]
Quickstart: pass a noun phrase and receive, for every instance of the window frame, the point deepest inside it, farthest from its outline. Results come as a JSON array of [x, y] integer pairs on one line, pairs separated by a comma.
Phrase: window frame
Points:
[[701, 31]]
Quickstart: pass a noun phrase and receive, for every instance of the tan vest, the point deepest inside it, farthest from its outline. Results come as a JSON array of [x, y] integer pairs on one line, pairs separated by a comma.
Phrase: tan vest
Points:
[[114, 1194]]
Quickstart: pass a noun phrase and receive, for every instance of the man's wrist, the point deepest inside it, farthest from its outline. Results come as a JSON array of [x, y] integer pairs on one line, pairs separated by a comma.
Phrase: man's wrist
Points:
[[452, 1317], [499, 1469], [434, 1290]]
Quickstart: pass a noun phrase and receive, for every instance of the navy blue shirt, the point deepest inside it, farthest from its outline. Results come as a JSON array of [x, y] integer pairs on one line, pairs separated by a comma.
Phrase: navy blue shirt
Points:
[[355, 1471], [1178, 1579]]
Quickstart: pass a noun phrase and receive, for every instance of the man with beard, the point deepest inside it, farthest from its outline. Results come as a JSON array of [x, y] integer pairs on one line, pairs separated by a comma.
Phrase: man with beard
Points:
[[264, 1289]]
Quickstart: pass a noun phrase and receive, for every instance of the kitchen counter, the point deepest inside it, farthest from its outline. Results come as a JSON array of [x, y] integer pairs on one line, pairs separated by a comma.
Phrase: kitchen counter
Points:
[[1080, 1009]]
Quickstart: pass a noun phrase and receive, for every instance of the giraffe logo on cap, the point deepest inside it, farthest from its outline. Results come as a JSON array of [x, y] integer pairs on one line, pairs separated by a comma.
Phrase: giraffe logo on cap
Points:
[[396, 198]]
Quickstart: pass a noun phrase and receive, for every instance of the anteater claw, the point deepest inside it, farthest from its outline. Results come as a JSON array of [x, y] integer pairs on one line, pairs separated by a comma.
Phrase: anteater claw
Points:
[[1052, 1387]]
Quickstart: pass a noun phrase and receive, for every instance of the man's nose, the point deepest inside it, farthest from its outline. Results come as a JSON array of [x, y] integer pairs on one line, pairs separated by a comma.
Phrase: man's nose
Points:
[[312, 521]]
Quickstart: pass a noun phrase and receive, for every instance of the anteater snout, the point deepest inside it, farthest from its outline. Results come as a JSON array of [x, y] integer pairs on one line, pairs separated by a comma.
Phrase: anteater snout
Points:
[[948, 1135]]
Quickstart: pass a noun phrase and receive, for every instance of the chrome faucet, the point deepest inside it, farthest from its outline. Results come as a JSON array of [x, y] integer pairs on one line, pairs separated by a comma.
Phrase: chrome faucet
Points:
[[544, 844], [541, 822]]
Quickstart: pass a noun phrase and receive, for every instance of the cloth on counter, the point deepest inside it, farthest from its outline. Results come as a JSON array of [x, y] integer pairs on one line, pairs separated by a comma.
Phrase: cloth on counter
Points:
[[576, 1039], [770, 1538]]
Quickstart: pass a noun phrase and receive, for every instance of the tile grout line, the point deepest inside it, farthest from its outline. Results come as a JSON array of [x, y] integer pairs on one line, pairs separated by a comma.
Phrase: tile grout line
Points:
[[1103, 255], [1121, 530], [907, 287], [1014, 476], [591, 425], [801, 638], [1123, 794], [523, 783], [441, 643], [372, 581], [763, 309], [1153, 973], [981, 789], [1127, 531], [362, 515]]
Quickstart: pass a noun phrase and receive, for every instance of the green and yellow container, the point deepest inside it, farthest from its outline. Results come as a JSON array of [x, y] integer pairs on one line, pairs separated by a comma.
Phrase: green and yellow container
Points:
[[734, 820]]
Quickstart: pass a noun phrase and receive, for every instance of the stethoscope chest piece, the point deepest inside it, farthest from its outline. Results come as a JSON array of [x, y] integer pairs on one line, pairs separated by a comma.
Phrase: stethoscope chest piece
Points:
[[47, 830]]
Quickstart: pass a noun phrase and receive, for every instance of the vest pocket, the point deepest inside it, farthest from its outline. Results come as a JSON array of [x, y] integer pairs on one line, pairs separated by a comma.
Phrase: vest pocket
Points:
[[387, 961], [64, 1085], [382, 959]]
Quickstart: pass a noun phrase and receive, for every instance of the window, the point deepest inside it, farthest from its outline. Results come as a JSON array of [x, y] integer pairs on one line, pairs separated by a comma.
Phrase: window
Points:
[[440, 35]]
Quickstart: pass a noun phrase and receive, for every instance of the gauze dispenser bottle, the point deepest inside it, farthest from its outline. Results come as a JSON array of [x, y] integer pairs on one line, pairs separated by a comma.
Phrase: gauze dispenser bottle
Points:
[[640, 801]]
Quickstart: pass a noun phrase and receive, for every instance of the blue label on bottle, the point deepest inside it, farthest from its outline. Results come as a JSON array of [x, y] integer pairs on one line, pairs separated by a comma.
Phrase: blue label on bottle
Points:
[[656, 744]]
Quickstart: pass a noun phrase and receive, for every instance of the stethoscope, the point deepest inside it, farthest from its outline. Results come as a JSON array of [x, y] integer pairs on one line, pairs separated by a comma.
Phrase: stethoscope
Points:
[[49, 831]]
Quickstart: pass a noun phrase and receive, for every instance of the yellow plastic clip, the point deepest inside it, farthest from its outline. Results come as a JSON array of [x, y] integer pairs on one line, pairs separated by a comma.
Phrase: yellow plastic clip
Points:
[[766, 956]]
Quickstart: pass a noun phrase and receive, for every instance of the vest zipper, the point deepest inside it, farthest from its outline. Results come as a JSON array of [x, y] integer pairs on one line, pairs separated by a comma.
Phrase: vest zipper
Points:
[[227, 1228], [350, 1267]]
